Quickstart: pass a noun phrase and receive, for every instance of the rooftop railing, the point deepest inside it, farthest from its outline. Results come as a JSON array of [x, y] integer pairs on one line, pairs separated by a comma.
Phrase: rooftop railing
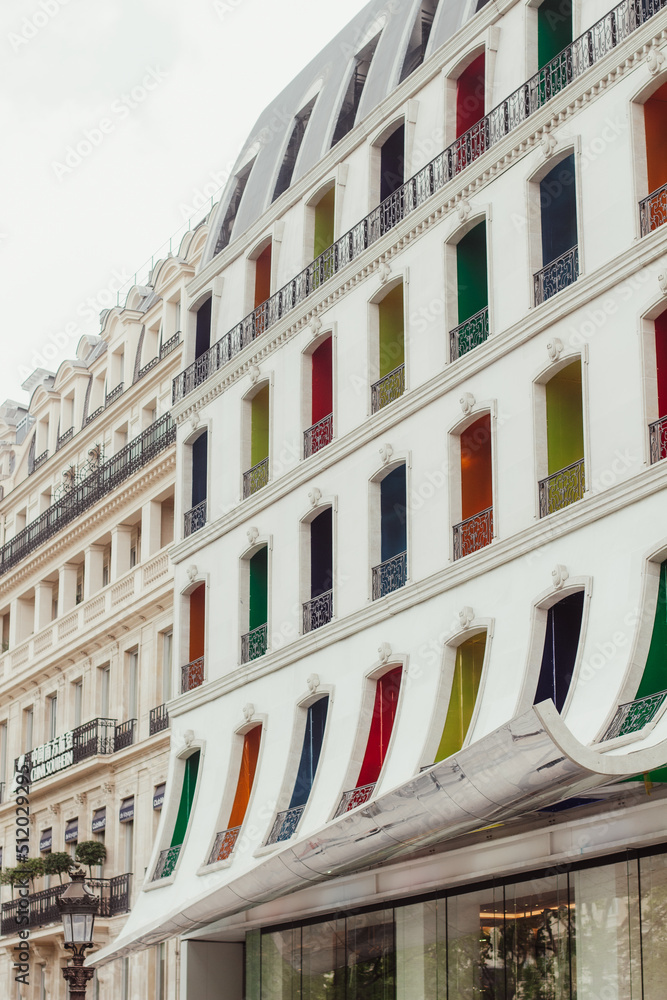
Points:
[[551, 79], [107, 477]]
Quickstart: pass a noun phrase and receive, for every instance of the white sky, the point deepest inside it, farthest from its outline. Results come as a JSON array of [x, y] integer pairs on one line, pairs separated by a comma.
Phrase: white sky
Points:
[[69, 229]]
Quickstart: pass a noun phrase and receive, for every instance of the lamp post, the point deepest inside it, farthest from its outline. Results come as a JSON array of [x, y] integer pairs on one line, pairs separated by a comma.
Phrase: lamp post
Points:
[[78, 906]]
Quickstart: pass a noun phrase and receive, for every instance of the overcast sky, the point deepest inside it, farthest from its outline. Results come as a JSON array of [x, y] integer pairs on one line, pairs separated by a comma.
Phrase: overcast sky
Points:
[[158, 96]]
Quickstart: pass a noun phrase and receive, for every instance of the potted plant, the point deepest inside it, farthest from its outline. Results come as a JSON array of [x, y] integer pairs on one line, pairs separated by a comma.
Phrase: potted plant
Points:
[[91, 852], [58, 863]]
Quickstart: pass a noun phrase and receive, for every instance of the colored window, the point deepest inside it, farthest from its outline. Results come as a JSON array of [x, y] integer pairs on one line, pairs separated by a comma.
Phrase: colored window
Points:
[[197, 621], [263, 276], [392, 163], [463, 696], [321, 553], [561, 642], [558, 206], [203, 330], [316, 718], [393, 525], [470, 96], [384, 713], [259, 426], [324, 222], [655, 125], [321, 384], [554, 29], [476, 482], [472, 288], [392, 345], [199, 469], [187, 797], [661, 362], [257, 611], [251, 743], [565, 422]]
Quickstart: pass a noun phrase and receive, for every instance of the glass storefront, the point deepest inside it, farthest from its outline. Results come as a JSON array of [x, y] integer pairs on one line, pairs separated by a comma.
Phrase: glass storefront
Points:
[[587, 933]]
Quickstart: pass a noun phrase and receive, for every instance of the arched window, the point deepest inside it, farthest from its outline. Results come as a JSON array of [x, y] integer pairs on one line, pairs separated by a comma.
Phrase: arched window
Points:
[[286, 822], [320, 433], [476, 527], [226, 839], [257, 475], [192, 673], [169, 857], [463, 696], [195, 518], [558, 227], [658, 428], [470, 127], [472, 293], [254, 642], [653, 209], [391, 573], [390, 350], [565, 482], [561, 642], [318, 609]]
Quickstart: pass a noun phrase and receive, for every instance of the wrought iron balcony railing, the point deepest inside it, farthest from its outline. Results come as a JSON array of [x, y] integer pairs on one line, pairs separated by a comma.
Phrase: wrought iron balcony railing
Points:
[[474, 533], [632, 716], [254, 479], [41, 907], [653, 211], [115, 394], [93, 738], [137, 453], [170, 345], [469, 334], [166, 863], [355, 797], [224, 844], [64, 438], [192, 675], [194, 519], [149, 366], [318, 611], [124, 734], [387, 389], [562, 488], [390, 575], [603, 36], [285, 824], [254, 643], [40, 460], [658, 439], [93, 415], [318, 436], [158, 720], [556, 276]]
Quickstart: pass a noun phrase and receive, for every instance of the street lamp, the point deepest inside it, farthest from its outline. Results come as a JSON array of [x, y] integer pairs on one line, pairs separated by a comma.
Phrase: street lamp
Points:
[[78, 906]]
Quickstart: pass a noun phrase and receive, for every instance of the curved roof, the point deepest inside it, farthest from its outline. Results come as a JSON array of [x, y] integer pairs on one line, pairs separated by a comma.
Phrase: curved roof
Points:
[[327, 76]]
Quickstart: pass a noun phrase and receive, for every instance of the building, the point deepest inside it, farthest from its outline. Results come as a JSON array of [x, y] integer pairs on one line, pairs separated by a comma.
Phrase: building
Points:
[[86, 599], [420, 553]]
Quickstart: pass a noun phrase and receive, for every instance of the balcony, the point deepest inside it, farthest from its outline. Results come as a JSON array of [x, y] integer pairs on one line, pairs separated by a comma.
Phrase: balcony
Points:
[[474, 533], [658, 439], [194, 519], [632, 716], [224, 844], [109, 475], [388, 389], [254, 643], [285, 824], [468, 335], [170, 345], [390, 575], [64, 438], [653, 211], [254, 479], [115, 394], [355, 797], [40, 460], [43, 909], [158, 720], [93, 415], [166, 863], [124, 734], [318, 611], [148, 367], [318, 436], [192, 675], [562, 488], [556, 276]]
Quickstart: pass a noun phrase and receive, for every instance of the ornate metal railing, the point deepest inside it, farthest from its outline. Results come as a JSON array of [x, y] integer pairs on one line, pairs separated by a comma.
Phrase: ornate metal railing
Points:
[[388, 388], [390, 575], [562, 488], [254, 643], [632, 716], [149, 366], [318, 436], [194, 519], [170, 345], [285, 824], [166, 862], [132, 457], [567, 66], [92, 738], [658, 439], [254, 479], [94, 414], [224, 844], [474, 533], [41, 907], [653, 211], [556, 276], [468, 335], [192, 675], [355, 797], [124, 734], [40, 460], [115, 394], [64, 438], [318, 611], [158, 720]]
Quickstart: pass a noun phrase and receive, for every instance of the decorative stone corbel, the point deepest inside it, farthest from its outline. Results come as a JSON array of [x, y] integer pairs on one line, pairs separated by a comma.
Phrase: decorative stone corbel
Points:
[[386, 451], [467, 402], [315, 325], [81, 798], [384, 651], [194, 420], [253, 373], [559, 576], [555, 348], [313, 683], [248, 711], [55, 808], [383, 272], [188, 737], [463, 209], [654, 60], [253, 534], [466, 616], [314, 495], [192, 572], [108, 787], [662, 282], [548, 144]]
